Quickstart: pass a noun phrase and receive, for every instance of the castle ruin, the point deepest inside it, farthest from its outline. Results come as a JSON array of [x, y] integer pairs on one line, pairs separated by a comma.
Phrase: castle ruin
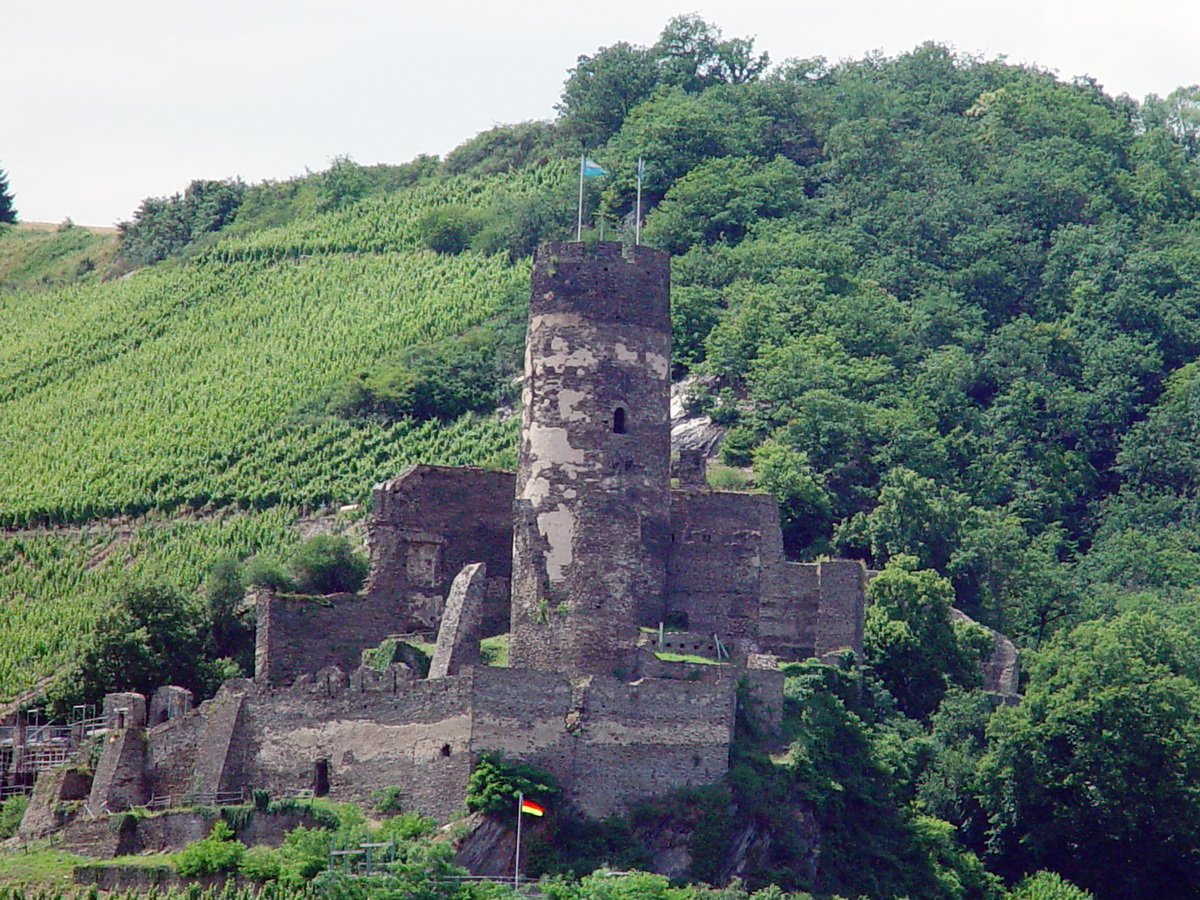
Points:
[[593, 563]]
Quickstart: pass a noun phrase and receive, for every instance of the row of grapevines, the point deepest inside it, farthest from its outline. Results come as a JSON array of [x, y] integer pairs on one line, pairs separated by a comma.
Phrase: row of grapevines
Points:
[[193, 378]]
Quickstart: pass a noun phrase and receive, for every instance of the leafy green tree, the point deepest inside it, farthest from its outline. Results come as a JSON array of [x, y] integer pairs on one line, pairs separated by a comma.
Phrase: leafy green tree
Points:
[[602, 89], [805, 507], [913, 516], [1093, 774], [909, 640], [327, 564], [343, 183], [503, 149], [231, 626], [150, 635], [165, 226], [719, 200], [693, 56], [8, 212], [495, 782], [1047, 886]]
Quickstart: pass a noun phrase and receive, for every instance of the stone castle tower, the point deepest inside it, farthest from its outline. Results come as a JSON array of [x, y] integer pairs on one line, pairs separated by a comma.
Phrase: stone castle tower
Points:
[[592, 517]]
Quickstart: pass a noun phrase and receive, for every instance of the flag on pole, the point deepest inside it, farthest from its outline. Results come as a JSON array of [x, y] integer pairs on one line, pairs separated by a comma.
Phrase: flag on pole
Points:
[[587, 169], [533, 809], [637, 218]]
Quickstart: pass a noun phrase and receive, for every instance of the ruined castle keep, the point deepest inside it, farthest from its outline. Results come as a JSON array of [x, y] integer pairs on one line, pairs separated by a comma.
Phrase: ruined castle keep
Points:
[[587, 556]]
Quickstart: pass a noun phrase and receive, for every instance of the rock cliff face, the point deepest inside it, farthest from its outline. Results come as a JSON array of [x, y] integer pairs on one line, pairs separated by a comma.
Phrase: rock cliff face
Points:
[[667, 837]]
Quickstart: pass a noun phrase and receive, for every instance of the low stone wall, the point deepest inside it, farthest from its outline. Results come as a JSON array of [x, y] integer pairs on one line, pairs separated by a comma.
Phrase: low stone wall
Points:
[[125, 835]]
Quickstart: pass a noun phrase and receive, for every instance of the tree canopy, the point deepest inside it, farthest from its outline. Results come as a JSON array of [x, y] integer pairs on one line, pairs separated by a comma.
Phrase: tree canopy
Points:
[[8, 212]]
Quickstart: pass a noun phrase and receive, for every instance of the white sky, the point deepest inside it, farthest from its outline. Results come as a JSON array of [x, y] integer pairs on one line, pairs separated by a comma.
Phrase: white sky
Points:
[[102, 104]]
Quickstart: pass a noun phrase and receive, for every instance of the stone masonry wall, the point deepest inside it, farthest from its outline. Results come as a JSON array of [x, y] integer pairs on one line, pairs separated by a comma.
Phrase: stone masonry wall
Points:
[[606, 740], [417, 738], [300, 635], [428, 523], [651, 737], [720, 545]]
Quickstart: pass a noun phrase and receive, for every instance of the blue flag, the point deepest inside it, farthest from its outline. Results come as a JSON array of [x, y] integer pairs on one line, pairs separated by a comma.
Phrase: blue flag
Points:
[[590, 168]]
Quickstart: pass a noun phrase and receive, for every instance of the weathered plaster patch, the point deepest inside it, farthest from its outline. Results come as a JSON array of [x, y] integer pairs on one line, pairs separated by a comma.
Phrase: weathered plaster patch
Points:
[[558, 528], [624, 354], [369, 739], [562, 355], [658, 364], [568, 400]]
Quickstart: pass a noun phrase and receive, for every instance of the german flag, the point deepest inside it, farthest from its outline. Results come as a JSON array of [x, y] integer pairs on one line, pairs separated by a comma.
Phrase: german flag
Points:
[[528, 806]]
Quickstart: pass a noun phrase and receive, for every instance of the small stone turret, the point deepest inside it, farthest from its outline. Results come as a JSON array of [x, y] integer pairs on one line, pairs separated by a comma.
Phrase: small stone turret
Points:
[[592, 517]]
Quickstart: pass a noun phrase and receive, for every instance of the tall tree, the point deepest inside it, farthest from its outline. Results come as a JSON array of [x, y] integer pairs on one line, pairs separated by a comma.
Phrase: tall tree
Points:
[[1094, 774], [8, 212]]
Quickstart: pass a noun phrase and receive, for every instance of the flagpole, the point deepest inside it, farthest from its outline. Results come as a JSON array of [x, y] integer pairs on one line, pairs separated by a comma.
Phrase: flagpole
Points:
[[521, 796], [579, 223], [637, 222]]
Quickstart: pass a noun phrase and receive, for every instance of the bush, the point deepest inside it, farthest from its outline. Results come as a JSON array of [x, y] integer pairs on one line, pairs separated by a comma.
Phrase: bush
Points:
[[448, 229], [218, 852], [326, 564], [261, 864], [387, 801], [12, 811], [495, 783], [265, 572]]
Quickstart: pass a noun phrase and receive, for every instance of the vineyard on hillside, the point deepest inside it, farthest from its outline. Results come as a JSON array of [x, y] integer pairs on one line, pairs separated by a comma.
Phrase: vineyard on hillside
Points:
[[181, 388]]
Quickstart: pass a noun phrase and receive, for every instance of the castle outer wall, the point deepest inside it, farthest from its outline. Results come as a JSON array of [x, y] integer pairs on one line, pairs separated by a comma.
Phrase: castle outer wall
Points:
[[351, 736]]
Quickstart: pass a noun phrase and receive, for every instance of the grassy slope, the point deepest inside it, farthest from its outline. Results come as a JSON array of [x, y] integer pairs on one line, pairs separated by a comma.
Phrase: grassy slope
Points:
[[34, 256], [169, 399]]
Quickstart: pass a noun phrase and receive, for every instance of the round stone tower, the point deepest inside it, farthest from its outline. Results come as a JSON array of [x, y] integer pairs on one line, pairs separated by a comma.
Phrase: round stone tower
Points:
[[592, 513]]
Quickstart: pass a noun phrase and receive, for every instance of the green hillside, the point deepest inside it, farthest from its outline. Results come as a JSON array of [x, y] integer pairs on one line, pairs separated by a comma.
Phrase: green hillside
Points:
[[948, 307]]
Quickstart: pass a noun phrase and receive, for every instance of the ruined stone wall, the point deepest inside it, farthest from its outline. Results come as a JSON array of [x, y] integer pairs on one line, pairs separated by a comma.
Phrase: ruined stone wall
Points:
[[171, 750], [606, 740], [593, 475], [416, 737], [651, 737], [841, 607], [727, 575], [300, 635], [721, 543], [427, 524]]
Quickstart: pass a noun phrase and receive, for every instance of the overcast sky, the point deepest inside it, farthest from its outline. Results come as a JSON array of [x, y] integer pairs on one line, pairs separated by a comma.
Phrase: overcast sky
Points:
[[102, 104]]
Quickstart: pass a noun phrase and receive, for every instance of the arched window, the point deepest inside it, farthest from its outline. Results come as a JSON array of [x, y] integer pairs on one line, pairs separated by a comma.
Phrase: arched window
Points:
[[619, 420]]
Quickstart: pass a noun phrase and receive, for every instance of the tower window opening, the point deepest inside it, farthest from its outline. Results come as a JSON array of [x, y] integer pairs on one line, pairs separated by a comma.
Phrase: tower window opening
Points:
[[619, 420]]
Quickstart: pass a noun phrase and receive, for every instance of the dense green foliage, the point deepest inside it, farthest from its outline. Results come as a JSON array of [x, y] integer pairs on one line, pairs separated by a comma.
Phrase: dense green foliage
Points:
[[165, 226], [149, 635], [1094, 774], [496, 782], [219, 852], [327, 564]]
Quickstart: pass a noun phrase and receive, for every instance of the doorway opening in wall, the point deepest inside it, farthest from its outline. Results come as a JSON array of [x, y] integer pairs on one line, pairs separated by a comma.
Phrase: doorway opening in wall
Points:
[[619, 420], [321, 778]]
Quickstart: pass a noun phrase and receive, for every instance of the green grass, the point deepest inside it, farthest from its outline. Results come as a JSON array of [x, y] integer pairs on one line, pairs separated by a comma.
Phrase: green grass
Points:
[[33, 259], [691, 658], [494, 650], [38, 863]]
